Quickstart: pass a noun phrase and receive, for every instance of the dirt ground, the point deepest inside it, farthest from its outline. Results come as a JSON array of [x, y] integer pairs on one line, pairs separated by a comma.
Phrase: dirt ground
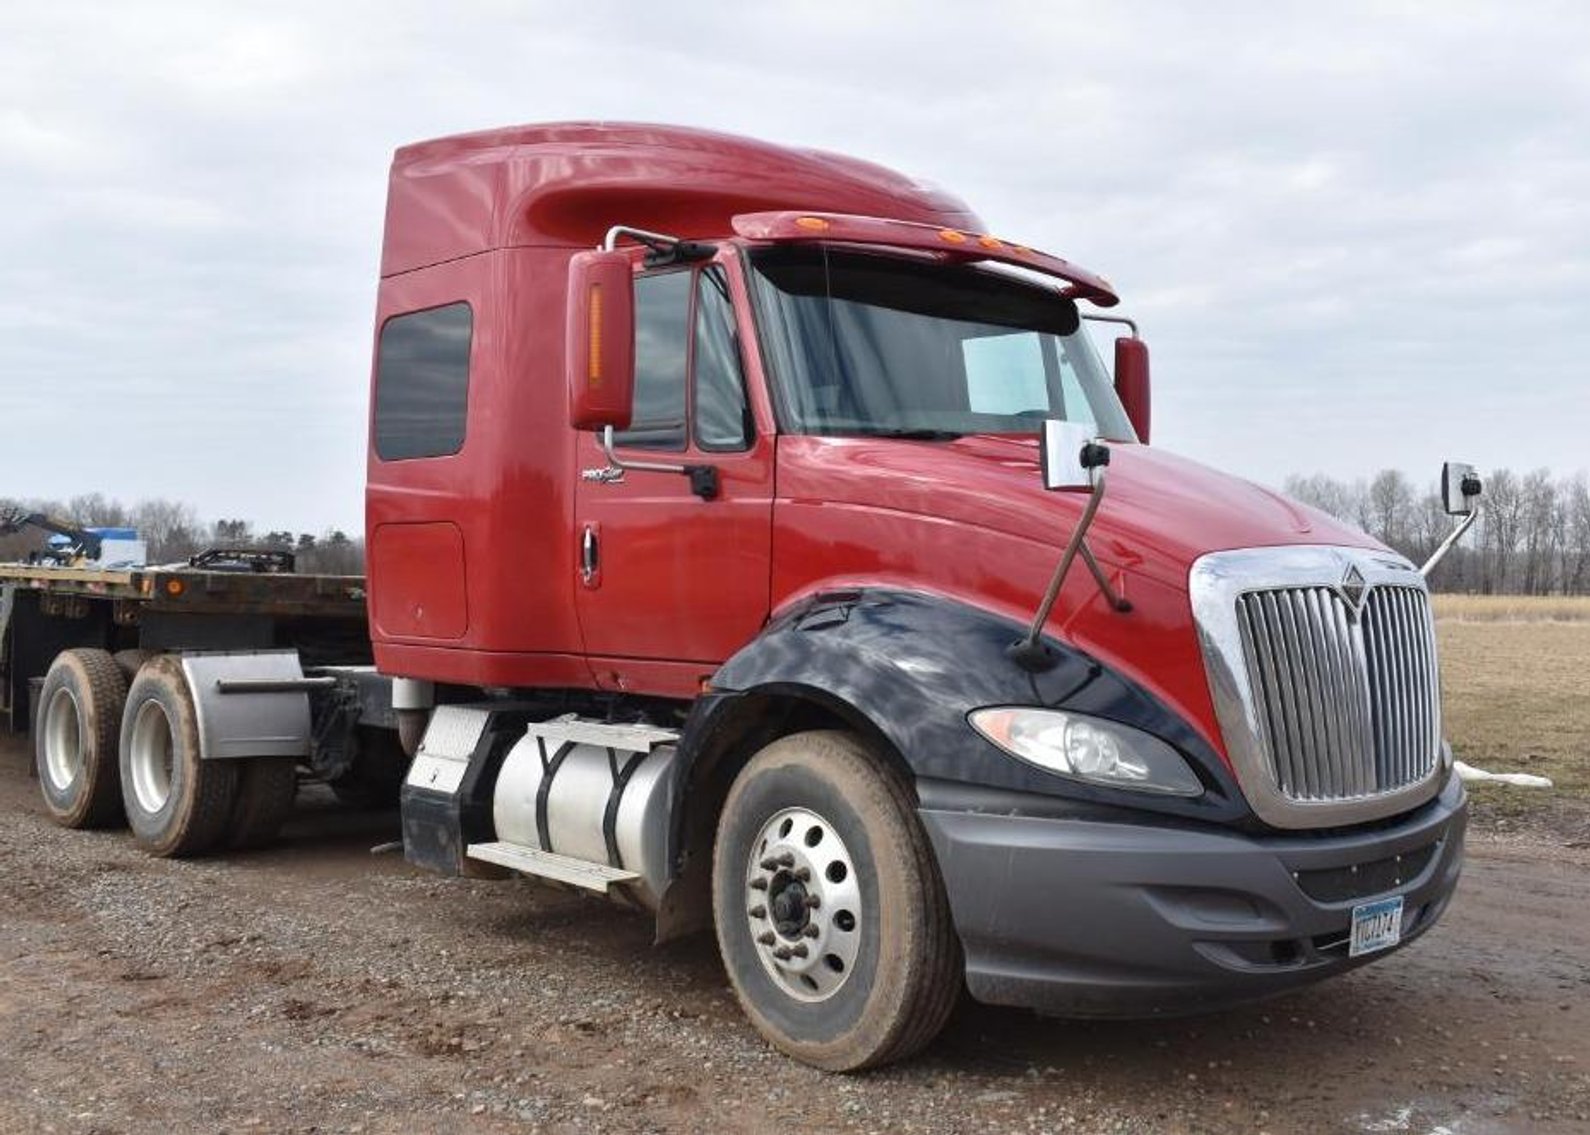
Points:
[[318, 987]]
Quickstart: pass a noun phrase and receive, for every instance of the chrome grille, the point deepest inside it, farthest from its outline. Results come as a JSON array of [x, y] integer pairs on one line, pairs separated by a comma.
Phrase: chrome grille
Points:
[[1345, 706]]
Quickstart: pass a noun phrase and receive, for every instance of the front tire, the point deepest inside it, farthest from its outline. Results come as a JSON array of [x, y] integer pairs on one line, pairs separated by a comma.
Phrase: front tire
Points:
[[831, 915], [177, 804], [75, 739]]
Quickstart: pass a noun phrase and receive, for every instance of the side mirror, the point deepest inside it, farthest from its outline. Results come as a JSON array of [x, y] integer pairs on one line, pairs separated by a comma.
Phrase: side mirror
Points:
[[1131, 383], [1068, 453], [1460, 488], [599, 343]]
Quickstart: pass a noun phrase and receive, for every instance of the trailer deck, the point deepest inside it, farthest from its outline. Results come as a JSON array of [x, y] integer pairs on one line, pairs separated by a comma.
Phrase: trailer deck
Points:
[[45, 609]]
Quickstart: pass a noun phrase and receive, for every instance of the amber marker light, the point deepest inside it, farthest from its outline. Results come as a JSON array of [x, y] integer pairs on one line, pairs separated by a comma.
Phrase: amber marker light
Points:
[[175, 587], [812, 224], [952, 236], [593, 366], [990, 242]]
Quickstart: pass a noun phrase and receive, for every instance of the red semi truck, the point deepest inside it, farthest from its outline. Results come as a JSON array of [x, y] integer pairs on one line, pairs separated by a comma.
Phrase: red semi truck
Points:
[[738, 548]]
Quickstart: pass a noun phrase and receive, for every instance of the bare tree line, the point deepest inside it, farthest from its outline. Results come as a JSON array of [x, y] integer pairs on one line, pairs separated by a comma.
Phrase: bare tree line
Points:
[[1532, 536], [173, 531]]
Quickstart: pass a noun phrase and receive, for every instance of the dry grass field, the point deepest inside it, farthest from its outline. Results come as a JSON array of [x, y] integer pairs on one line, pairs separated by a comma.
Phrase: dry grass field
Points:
[[1513, 608], [1516, 693]]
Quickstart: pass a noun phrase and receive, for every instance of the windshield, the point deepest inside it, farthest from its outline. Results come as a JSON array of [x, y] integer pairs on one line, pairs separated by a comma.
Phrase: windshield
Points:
[[883, 345]]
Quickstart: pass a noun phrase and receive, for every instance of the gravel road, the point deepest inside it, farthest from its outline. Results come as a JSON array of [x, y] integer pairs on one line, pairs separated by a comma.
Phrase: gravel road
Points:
[[315, 987]]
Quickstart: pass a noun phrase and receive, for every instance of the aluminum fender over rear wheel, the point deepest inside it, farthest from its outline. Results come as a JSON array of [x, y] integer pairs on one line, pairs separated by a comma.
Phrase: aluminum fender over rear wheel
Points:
[[75, 739], [830, 912], [176, 804]]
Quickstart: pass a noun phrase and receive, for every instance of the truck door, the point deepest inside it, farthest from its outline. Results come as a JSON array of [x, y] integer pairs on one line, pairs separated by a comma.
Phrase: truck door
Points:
[[664, 575]]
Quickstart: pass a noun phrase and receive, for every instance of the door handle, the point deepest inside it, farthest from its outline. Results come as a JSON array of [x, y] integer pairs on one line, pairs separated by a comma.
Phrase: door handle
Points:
[[590, 556]]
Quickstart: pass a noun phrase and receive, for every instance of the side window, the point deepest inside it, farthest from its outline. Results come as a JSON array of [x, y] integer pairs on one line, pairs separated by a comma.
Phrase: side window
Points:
[[662, 340], [1005, 374], [422, 383], [722, 415]]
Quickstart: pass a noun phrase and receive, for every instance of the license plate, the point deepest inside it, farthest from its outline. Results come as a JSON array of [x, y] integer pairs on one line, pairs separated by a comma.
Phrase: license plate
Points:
[[1376, 926]]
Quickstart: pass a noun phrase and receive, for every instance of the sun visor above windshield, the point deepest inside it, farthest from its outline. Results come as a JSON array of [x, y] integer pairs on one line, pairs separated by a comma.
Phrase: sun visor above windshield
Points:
[[782, 227]]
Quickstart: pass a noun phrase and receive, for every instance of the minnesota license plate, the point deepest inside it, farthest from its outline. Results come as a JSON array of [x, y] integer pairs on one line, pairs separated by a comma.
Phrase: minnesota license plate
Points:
[[1376, 926]]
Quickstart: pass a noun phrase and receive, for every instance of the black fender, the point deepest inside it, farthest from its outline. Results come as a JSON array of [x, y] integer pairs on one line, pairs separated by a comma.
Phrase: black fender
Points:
[[912, 666]]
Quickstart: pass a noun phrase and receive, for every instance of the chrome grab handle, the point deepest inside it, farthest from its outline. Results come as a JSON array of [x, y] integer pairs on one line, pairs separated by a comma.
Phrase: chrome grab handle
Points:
[[588, 554]]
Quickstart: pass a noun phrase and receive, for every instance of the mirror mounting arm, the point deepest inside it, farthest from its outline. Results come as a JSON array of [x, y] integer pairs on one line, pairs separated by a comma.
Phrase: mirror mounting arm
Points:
[[661, 249], [1447, 545], [1029, 652], [704, 480]]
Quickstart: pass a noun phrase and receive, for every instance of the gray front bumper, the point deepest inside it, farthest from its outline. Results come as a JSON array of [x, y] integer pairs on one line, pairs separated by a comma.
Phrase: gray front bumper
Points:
[[1104, 919]]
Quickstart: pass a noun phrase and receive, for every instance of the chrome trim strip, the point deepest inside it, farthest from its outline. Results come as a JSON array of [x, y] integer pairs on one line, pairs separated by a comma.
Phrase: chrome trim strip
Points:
[[1320, 698]]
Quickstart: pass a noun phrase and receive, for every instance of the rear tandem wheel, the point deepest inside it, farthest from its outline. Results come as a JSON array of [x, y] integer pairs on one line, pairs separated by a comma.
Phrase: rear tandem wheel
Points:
[[75, 739], [177, 804]]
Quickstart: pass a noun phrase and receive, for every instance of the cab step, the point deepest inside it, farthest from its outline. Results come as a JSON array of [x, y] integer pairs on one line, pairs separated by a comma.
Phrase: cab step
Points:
[[598, 877]]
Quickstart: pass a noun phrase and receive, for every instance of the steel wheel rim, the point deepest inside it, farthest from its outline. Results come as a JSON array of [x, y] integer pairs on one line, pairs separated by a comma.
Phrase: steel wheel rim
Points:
[[151, 757], [63, 740], [803, 905]]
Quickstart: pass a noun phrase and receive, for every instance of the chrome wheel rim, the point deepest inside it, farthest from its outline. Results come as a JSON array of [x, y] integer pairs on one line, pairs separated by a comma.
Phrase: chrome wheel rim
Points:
[[803, 904], [151, 757], [63, 740]]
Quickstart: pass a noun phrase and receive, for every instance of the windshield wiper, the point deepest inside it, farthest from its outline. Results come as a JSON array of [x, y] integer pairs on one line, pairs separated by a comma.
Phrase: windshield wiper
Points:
[[911, 435]]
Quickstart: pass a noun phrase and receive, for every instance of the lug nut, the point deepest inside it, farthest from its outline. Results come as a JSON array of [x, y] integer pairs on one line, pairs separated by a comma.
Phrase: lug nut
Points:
[[810, 930], [759, 884], [774, 862], [803, 874], [782, 953], [813, 902], [799, 950], [765, 938], [757, 912]]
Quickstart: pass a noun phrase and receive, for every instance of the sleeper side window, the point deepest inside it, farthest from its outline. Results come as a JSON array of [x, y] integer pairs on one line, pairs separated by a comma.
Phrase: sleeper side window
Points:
[[422, 383], [723, 420], [662, 343]]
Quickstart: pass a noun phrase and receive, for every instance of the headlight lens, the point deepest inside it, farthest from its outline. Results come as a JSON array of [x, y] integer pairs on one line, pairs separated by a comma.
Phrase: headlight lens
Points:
[[1087, 748]]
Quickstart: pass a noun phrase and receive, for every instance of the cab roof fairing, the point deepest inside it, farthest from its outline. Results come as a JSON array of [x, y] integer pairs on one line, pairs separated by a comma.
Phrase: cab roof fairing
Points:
[[563, 185]]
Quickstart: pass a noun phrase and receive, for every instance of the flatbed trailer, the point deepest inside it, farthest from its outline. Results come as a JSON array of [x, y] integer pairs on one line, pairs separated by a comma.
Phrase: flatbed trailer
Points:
[[277, 666], [45, 610]]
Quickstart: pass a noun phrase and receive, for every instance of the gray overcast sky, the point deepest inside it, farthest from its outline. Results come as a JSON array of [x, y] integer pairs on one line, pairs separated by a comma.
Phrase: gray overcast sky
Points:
[[1356, 235]]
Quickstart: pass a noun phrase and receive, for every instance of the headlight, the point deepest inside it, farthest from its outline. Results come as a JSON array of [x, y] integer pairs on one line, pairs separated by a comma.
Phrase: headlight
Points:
[[1087, 748]]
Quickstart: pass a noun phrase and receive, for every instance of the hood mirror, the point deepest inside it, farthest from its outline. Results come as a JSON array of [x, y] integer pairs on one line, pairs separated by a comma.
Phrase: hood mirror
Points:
[[1460, 496], [1070, 456], [1460, 488]]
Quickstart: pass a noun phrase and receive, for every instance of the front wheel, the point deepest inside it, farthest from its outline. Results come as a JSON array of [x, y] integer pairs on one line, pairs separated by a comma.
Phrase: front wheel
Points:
[[830, 912]]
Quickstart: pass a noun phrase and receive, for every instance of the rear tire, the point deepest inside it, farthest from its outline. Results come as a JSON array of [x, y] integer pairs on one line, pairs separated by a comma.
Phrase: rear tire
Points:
[[869, 972], [266, 787], [131, 661], [177, 804], [75, 739]]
